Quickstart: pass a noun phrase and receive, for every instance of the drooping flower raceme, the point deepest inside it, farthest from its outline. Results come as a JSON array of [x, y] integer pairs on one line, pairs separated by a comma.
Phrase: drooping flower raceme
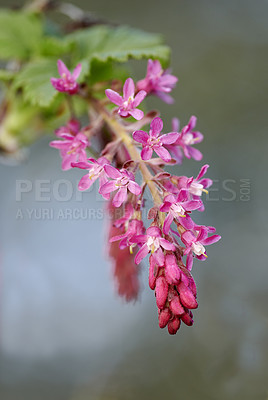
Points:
[[68, 81], [158, 81], [127, 169], [127, 105], [155, 142]]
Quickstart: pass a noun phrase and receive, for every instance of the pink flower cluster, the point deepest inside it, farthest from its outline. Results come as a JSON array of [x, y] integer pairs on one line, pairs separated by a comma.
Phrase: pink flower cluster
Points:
[[125, 167]]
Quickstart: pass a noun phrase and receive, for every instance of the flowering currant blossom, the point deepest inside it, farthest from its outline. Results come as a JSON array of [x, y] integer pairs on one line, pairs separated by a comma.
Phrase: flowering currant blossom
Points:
[[195, 244], [158, 81], [67, 83], [122, 181], [186, 139], [127, 105], [126, 175], [154, 142], [196, 186], [72, 148], [95, 171], [152, 242], [177, 208]]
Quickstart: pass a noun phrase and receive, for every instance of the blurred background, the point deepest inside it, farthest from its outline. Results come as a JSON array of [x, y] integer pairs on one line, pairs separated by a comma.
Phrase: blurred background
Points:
[[64, 333]]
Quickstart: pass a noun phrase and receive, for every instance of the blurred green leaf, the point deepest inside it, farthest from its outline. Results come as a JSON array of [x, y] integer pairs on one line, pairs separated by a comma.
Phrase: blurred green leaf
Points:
[[34, 79], [20, 35], [105, 44]]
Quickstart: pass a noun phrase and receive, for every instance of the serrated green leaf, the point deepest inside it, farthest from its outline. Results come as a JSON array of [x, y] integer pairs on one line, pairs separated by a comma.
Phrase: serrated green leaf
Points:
[[34, 79], [105, 44], [20, 35]]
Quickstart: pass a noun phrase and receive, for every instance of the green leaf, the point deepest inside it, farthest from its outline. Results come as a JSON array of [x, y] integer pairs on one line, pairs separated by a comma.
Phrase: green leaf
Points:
[[34, 79], [20, 35], [6, 75], [105, 44], [53, 46]]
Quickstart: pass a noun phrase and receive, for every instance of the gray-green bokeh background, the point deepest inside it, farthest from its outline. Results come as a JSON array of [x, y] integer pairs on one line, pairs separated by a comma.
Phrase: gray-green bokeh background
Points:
[[64, 333]]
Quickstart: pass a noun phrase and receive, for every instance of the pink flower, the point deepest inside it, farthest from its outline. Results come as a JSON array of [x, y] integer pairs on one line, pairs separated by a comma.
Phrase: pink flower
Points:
[[72, 148], [132, 227], [95, 171], [152, 242], [196, 186], [127, 105], [177, 208], [158, 81], [67, 82], [122, 181], [195, 244], [186, 139], [72, 127], [154, 142]]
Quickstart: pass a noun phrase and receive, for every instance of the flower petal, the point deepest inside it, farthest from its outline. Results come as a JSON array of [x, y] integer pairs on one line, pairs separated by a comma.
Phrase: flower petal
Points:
[[114, 97], [169, 138], [108, 187], [146, 153], [120, 197], [162, 153], [128, 89], [137, 114], [140, 96], [134, 188], [62, 68], [85, 182], [77, 71], [142, 253], [141, 137], [112, 172], [156, 126]]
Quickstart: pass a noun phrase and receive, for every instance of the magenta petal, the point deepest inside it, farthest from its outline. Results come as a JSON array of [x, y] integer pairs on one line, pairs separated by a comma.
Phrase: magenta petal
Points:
[[138, 98], [169, 138], [154, 231], [202, 172], [141, 254], [128, 89], [140, 137], [192, 122], [85, 182], [134, 188], [62, 68], [210, 240], [167, 223], [156, 126], [206, 182], [82, 165], [112, 172], [59, 144], [165, 97], [189, 261], [114, 97], [195, 153], [159, 257], [146, 153], [137, 114], [186, 222], [175, 124], [77, 71], [108, 187], [166, 244], [162, 153], [120, 197]]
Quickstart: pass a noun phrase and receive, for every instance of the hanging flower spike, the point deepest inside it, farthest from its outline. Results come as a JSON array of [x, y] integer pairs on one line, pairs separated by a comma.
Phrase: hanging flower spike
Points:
[[177, 208], [95, 171], [122, 181], [67, 83], [154, 142], [72, 148], [195, 244], [152, 242], [127, 105], [158, 81]]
